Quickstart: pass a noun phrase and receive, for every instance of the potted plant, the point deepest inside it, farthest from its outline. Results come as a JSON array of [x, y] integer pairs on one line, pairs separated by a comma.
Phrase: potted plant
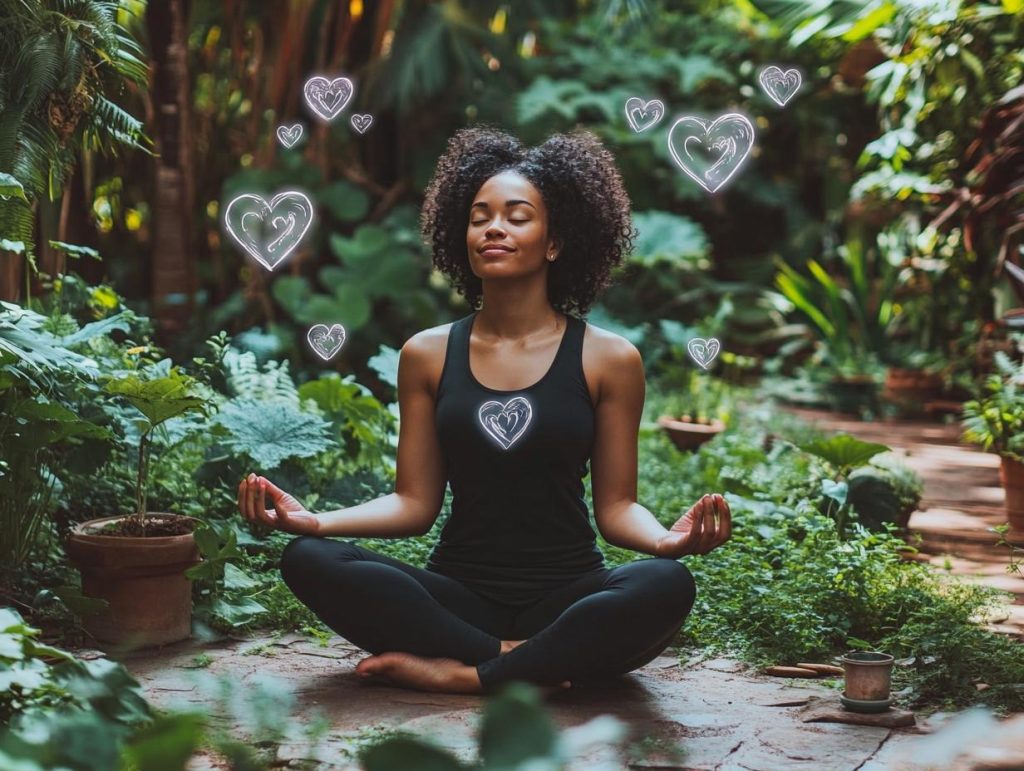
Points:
[[136, 562], [696, 410], [996, 422]]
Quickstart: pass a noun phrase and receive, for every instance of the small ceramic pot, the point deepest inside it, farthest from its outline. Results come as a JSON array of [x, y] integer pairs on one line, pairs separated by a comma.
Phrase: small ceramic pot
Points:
[[868, 676]]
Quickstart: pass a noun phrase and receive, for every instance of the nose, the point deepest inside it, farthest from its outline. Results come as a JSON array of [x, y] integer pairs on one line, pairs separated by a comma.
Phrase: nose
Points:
[[493, 230]]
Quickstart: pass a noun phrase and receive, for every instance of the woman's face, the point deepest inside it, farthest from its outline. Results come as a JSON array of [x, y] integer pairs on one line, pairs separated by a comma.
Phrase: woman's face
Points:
[[508, 227]]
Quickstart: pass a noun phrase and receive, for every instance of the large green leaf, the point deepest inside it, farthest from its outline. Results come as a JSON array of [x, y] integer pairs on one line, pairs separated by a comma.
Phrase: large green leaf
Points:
[[666, 237], [843, 451], [10, 187], [404, 752], [160, 398], [345, 201], [268, 432]]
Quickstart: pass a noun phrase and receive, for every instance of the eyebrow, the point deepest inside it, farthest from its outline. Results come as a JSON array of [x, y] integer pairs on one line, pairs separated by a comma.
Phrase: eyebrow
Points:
[[513, 202]]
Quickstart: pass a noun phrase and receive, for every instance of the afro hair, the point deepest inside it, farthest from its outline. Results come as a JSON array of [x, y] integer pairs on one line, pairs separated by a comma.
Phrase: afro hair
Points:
[[588, 209]]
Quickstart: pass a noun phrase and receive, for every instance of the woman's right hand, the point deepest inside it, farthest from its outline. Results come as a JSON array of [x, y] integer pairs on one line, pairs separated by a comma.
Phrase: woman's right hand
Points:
[[288, 515]]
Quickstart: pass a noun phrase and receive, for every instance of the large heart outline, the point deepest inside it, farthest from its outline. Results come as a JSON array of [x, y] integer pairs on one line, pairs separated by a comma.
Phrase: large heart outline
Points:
[[326, 97], [326, 342], [780, 86], [239, 222], [703, 351], [637, 110], [731, 135], [506, 422], [289, 135]]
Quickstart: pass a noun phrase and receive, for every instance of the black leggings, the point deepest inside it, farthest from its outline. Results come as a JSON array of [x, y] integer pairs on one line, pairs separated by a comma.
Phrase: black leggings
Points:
[[604, 623]]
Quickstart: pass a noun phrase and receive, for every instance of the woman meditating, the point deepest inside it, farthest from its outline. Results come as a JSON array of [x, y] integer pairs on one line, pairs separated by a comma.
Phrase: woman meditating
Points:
[[508, 405]]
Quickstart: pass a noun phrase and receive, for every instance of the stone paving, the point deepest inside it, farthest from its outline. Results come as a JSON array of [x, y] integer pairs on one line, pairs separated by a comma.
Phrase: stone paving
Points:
[[712, 714]]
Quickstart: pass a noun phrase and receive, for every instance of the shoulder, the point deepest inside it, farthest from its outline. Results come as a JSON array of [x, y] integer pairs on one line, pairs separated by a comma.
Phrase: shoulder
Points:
[[422, 355], [610, 360]]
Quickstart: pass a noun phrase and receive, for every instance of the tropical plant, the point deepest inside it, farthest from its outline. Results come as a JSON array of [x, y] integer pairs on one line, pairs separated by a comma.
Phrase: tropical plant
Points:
[[843, 453], [995, 419], [43, 434], [58, 63], [159, 397], [849, 312]]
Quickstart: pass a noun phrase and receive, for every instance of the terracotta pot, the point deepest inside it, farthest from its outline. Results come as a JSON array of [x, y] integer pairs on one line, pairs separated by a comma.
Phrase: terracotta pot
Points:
[[690, 436], [143, 579], [868, 675], [1011, 476]]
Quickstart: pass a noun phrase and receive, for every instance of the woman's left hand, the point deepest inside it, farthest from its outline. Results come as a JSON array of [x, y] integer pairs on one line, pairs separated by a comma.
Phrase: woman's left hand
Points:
[[707, 525]]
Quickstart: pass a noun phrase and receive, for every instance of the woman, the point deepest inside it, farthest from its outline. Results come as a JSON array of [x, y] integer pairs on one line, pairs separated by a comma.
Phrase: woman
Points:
[[515, 588]]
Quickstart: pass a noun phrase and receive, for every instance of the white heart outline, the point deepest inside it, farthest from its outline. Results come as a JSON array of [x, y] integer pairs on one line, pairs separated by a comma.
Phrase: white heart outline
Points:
[[359, 117], [776, 74], [283, 133], [711, 348], [635, 102], [328, 332], [249, 248], [707, 128], [316, 104], [497, 433]]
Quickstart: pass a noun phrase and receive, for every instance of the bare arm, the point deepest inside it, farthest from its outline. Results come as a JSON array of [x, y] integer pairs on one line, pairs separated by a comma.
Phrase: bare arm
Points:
[[420, 477], [622, 521]]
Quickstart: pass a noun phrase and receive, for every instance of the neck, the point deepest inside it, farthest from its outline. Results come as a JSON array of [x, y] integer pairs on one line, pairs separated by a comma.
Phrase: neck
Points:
[[515, 312]]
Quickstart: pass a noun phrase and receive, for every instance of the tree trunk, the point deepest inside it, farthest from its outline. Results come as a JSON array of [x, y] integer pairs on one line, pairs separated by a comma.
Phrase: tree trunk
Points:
[[172, 278]]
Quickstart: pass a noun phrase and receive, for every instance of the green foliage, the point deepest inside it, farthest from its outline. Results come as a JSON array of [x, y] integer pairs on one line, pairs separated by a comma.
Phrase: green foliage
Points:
[[268, 432], [58, 62], [844, 452], [667, 237], [995, 420]]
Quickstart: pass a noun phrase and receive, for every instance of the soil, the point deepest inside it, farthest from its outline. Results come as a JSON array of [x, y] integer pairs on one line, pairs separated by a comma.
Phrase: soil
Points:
[[154, 527]]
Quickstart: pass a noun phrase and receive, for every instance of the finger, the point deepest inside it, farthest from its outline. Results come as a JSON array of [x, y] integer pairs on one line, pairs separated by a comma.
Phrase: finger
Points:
[[247, 499], [261, 508], [707, 534], [241, 499], [718, 504], [273, 489], [254, 501], [726, 520]]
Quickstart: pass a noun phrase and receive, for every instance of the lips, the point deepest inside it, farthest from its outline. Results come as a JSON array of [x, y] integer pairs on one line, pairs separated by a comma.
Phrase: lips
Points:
[[494, 247]]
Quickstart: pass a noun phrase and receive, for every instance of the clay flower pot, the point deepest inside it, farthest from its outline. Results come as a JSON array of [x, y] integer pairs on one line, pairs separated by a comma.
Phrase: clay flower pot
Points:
[[1011, 475], [868, 681], [142, 578], [690, 436]]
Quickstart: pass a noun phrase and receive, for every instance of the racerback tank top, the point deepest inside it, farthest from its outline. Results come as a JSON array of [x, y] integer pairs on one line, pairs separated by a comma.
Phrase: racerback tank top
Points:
[[515, 461]]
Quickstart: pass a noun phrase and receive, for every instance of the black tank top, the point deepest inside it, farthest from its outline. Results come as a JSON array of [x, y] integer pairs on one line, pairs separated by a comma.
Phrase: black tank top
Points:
[[515, 460]]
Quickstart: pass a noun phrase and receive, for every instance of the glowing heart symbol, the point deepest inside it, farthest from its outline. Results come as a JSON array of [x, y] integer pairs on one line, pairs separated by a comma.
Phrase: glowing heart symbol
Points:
[[326, 342], [642, 115], [289, 135], [703, 351], [327, 97], [361, 122], [710, 153], [779, 85], [506, 422], [269, 231]]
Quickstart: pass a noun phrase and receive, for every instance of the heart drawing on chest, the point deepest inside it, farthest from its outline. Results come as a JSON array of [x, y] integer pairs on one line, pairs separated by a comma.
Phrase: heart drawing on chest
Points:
[[506, 422], [269, 231]]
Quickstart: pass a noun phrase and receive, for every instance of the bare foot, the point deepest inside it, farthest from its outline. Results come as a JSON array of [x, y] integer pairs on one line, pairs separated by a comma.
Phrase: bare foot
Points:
[[507, 645], [422, 674]]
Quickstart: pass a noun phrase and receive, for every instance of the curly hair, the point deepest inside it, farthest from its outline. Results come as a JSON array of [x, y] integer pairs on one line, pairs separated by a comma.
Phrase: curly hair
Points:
[[588, 209]]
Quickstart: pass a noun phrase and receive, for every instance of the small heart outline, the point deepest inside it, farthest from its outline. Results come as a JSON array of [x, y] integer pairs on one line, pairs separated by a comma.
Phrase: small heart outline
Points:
[[780, 86], [319, 334], [289, 136], [635, 104], [317, 87], [361, 122], [250, 204], [702, 351], [735, 146]]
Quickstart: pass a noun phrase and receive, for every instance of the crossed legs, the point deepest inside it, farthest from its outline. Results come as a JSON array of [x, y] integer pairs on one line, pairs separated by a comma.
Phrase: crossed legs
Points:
[[439, 635]]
